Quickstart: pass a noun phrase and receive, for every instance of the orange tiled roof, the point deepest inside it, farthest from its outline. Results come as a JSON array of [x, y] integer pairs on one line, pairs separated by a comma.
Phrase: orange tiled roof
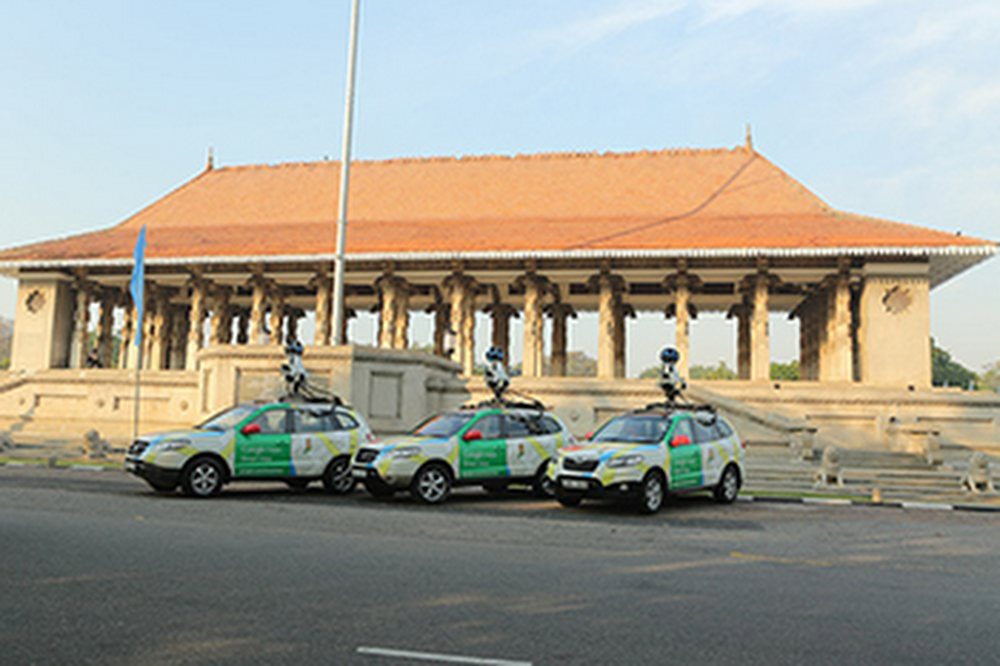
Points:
[[663, 200]]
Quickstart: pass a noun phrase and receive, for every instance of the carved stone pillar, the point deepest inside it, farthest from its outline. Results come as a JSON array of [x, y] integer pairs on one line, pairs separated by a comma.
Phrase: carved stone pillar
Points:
[[836, 363], [441, 311], [741, 313], [535, 288], [610, 288], [105, 328], [159, 329], [127, 331], [394, 313], [178, 337], [81, 324], [559, 312], [196, 319], [622, 312], [258, 306], [220, 314], [461, 291], [757, 287], [322, 283], [276, 318]]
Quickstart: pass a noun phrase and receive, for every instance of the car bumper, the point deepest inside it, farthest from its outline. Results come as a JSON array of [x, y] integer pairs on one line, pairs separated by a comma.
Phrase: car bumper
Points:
[[365, 472], [593, 488], [154, 473]]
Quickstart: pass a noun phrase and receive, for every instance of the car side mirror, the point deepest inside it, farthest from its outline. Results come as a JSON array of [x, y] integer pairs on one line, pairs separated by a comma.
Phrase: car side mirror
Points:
[[472, 435], [251, 429], [680, 440]]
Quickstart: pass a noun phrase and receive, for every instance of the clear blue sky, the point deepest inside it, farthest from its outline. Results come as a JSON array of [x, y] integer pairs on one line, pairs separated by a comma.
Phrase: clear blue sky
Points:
[[884, 107]]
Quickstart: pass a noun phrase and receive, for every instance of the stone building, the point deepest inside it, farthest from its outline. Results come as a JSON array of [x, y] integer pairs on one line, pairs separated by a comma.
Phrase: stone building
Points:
[[239, 255]]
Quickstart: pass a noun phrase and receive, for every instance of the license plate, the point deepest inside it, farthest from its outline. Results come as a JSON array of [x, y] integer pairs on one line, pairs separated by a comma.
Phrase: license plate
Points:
[[359, 473], [575, 484]]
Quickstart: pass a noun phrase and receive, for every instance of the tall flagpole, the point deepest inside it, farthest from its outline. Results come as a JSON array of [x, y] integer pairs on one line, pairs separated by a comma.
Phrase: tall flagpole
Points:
[[345, 175]]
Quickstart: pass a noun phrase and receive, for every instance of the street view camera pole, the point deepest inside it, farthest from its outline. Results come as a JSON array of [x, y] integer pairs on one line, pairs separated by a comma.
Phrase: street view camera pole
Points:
[[345, 174]]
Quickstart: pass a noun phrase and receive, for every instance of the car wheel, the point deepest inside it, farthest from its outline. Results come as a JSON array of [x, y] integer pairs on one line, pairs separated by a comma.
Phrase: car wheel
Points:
[[162, 487], [542, 486], [337, 478], [568, 498], [431, 484], [728, 487], [652, 493], [378, 488], [297, 484], [203, 477]]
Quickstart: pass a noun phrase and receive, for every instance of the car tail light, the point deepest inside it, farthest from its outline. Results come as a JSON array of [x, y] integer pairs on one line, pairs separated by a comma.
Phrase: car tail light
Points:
[[743, 443]]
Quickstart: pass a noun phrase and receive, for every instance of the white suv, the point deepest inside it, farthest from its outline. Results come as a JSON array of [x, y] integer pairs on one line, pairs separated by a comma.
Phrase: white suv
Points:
[[642, 455]]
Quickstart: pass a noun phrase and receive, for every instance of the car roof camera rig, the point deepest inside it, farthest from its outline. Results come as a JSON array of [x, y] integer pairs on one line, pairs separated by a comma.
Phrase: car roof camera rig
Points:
[[297, 384], [673, 385], [498, 381]]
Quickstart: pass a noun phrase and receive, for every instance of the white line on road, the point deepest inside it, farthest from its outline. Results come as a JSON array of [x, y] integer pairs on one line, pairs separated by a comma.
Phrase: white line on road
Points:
[[440, 658]]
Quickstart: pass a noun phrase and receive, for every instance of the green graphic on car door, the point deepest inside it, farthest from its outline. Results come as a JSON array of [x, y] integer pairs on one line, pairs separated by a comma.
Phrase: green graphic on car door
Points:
[[267, 452], [487, 456], [685, 459]]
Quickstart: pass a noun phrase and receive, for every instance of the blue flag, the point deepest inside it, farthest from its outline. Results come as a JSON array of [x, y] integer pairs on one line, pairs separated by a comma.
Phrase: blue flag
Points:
[[137, 287]]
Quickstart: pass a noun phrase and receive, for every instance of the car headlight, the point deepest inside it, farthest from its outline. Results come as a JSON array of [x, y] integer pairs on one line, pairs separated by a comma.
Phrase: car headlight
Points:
[[406, 452], [625, 461], [174, 445]]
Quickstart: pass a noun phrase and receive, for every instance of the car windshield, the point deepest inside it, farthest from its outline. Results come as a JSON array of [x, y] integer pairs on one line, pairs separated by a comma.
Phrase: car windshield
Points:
[[228, 419], [443, 425], [639, 428]]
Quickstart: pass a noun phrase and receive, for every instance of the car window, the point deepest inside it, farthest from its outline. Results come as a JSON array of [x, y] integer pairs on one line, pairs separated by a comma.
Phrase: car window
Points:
[[227, 419], [491, 426], [312, 422], [549, 425], [637, 428], [515, 426], [273, 421], [443, 425], [704, 432], [722, 428], [343, 421], [683, 429]]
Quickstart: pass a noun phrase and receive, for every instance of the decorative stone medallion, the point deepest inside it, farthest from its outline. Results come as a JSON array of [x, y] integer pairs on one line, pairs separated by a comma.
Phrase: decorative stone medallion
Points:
[[897, 300], [35, 301]]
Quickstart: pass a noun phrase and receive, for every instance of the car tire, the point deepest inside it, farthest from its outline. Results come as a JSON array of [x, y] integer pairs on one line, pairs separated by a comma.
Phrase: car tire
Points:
[[202, 478], [568, 498], [652, 493], [431, 484], [728, 487], [542, 486], [379, 488], [298, 485], [337, 479]]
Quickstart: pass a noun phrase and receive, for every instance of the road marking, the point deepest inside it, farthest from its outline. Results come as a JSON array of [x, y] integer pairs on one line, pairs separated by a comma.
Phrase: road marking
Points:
[[440, 658], [829, 501], [929, 506]]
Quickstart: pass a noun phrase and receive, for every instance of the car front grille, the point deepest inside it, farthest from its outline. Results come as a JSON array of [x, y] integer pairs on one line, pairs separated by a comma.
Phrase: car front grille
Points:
[[137, 448], [366, 455], [578, 465]]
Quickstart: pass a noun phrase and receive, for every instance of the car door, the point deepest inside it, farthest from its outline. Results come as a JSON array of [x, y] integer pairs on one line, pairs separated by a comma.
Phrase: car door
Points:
[[263, 444], [482, 450], [706, 436], [685, 456], [522, 459], [311, 432]]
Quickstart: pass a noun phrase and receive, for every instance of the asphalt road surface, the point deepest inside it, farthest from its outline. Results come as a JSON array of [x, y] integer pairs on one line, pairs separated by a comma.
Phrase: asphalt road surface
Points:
[[98, 569]]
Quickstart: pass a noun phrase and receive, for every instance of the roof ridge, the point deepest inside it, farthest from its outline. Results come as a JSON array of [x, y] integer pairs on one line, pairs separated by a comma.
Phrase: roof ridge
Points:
[[494, 157]]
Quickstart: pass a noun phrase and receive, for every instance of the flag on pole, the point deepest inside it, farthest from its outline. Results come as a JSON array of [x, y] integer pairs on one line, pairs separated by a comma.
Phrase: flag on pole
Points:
[[137, 287]]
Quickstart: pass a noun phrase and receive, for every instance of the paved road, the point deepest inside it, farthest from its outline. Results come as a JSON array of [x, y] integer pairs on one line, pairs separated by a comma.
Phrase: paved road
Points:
[[96, 569]]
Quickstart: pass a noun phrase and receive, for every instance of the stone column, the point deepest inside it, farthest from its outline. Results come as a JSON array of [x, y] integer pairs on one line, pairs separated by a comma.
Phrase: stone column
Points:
[[160, 330], [461, 291], [149, 327], [105, 329], [81, 324], [394, 313], [622, 312], [178, 337], [127, 330], [196, 319], [276, 318], [220, 315], [760, 349], [559, 312], [323, 284], [836, 364], [534, 344], [441, 311], [741, 312], [610, 288], [258, 306]]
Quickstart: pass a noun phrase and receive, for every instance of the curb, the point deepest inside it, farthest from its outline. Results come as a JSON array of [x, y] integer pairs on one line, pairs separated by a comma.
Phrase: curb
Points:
[[821, 501]]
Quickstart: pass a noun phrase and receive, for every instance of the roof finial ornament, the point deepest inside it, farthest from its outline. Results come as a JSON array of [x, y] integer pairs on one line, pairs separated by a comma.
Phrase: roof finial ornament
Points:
[[749, 139], [211, 160]]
